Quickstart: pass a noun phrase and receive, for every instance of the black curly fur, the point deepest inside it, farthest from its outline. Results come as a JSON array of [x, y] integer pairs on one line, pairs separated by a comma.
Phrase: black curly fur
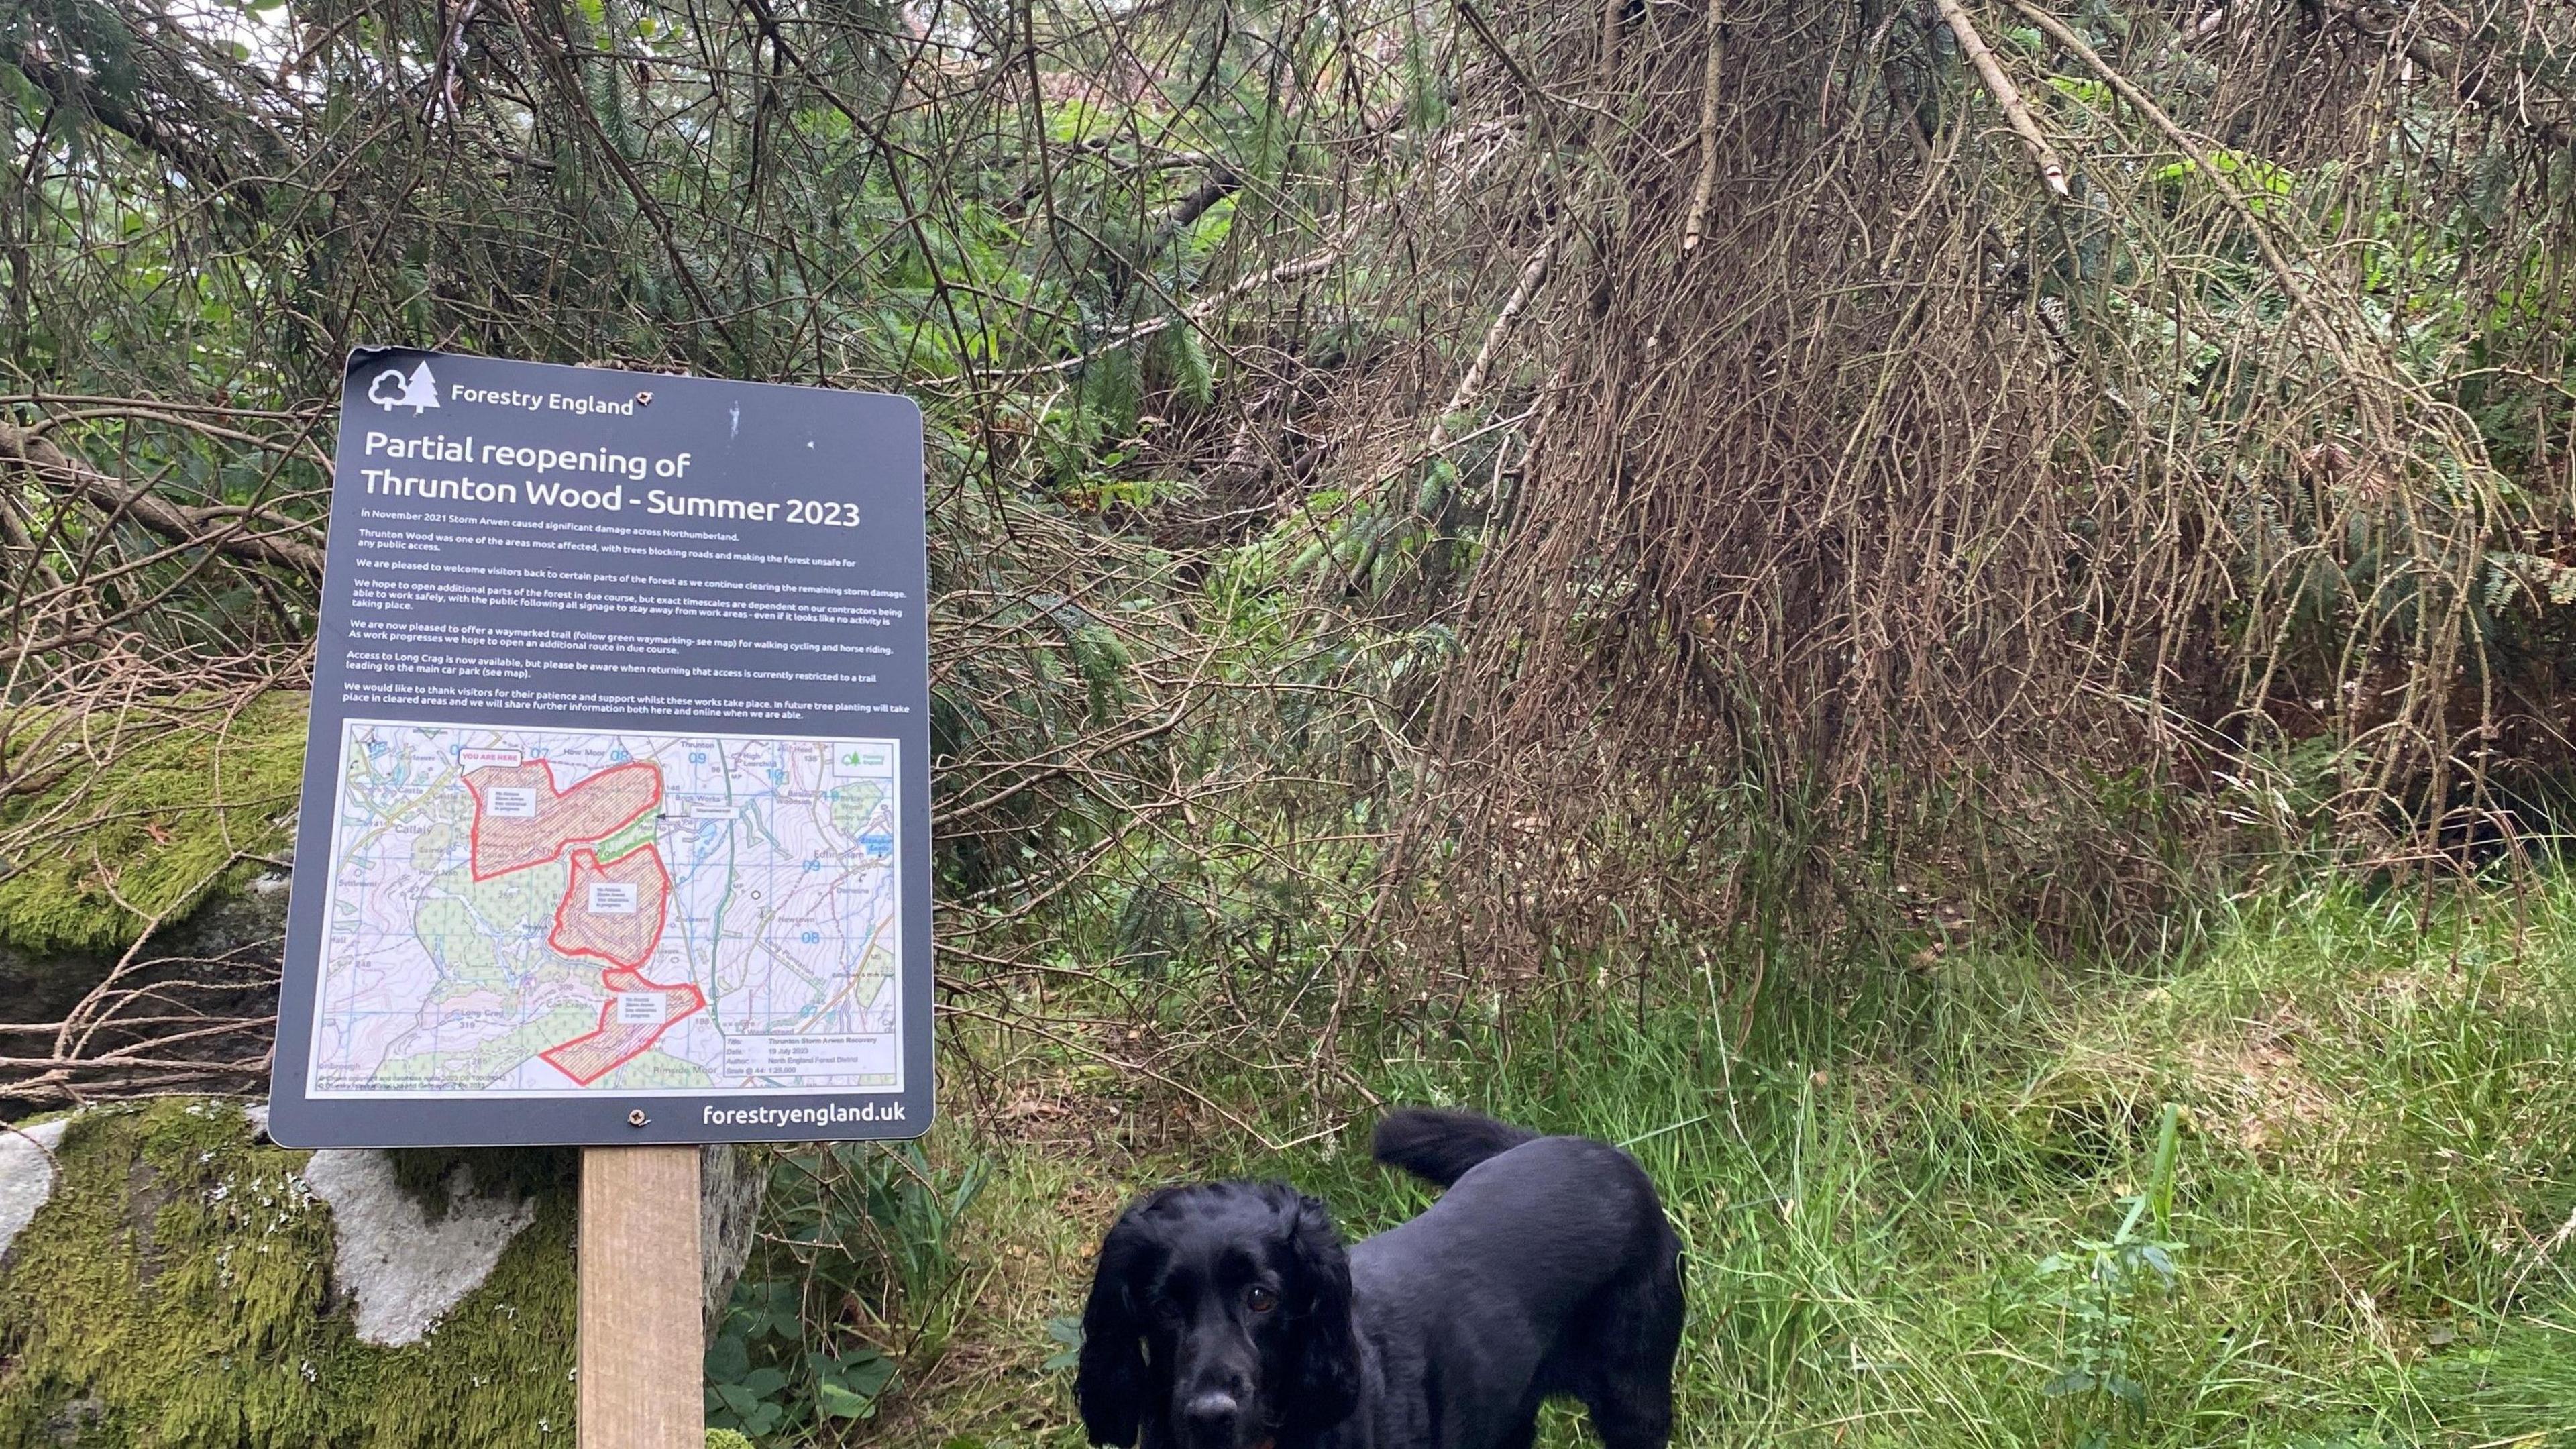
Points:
[[1229, 1315]]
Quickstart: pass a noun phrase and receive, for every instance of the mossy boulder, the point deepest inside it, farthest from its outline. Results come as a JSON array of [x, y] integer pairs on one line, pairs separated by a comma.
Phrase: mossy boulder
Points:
[[168, 817], [141, 815], [184, 1284], [228, 948]]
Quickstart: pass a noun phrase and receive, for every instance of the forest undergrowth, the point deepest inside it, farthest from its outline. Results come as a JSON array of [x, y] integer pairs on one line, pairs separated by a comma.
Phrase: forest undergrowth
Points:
[[2312, 1183]]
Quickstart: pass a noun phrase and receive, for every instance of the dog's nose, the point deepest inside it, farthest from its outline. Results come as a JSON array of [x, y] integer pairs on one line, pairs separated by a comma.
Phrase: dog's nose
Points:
[[1211, 1416]]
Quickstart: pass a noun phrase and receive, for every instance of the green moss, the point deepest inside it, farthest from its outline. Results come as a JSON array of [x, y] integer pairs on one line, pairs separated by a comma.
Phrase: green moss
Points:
[[170, 801], [175, 1292], [424, 1174], [727, 1439]]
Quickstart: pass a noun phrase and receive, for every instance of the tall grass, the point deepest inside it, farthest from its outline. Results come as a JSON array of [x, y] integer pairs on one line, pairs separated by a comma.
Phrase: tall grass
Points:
[[1926, 1204]]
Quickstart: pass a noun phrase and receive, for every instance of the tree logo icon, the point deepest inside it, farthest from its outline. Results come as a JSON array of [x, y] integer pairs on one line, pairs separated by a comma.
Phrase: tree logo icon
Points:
[[392, 390]]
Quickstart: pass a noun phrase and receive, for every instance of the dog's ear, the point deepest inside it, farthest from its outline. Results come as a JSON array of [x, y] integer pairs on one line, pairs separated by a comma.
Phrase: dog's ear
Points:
[[1327, 1386], [1109, 1381]]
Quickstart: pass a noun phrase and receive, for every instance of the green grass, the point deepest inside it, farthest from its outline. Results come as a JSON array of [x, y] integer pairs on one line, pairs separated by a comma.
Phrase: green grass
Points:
[[1903, 1197]]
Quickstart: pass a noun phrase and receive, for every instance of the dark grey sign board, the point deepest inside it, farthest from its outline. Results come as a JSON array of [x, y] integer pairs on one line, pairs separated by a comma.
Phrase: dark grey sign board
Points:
[[616, 814]]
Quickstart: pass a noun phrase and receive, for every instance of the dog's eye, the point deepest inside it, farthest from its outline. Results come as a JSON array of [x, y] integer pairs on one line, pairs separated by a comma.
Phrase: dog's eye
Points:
[[1259, 1299]]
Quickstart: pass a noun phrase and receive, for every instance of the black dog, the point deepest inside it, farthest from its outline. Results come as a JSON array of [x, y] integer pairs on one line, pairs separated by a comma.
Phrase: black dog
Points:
[[1228, 1315]]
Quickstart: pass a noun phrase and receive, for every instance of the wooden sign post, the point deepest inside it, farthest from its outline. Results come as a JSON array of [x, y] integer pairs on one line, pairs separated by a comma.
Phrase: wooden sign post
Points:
[[642, 1352]]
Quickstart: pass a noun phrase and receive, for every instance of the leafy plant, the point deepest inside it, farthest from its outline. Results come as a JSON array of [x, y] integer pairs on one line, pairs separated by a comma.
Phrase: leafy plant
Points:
[[2096, 1288], [1065, 1331], [855, 1231], [751, 1399], [846, 1385], [869, 1218], [761, 1380]]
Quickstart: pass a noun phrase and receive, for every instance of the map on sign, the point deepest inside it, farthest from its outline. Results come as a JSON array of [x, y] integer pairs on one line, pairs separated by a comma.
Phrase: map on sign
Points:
[[526, 912]]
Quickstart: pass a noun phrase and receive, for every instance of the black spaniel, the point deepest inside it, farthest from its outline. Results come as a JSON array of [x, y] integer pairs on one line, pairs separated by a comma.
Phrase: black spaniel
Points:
[[1229, 1316]]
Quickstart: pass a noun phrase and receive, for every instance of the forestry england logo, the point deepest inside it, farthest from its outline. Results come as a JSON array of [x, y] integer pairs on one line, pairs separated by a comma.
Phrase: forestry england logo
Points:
[[392, 390]]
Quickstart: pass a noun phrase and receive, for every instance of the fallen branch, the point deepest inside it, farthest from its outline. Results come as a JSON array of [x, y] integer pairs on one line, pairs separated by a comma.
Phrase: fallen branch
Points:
[[156, 123], [2442, 62], [550, 47], [1284, 272], [1532, 272], [1697, 224], [2051, 169], [226, 530], [2182, 141], [1221, 183]]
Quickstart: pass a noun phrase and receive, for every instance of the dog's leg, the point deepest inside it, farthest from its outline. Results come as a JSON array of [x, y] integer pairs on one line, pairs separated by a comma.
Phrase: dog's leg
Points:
[[1629, 1385], [1634, 1415]]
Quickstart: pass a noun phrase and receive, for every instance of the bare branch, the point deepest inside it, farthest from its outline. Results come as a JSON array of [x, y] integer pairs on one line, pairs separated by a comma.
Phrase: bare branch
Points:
[[228, 532]]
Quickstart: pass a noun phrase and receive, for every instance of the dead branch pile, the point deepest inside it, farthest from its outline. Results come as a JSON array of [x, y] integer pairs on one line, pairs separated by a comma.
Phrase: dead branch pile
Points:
[[1983, 444]]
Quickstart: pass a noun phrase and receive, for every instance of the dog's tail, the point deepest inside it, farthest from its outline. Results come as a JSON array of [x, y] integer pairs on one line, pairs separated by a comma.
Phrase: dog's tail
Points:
[[1440, 1145]]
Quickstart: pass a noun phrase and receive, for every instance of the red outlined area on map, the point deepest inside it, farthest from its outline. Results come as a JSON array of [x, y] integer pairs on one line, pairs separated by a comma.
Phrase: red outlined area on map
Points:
[[612, 911], [619, 937], [595, 808]]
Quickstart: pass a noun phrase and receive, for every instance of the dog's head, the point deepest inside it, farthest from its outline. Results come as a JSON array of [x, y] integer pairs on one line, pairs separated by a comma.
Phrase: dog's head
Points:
[[1220, 1318]]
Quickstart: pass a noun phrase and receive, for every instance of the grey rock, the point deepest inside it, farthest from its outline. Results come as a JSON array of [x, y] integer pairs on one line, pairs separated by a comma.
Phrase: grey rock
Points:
[[732, 1180], [27, 1175], [401, 1268]]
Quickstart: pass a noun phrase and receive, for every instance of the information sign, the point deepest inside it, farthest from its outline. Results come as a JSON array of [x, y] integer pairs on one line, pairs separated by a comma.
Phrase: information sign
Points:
[[615, 822]]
